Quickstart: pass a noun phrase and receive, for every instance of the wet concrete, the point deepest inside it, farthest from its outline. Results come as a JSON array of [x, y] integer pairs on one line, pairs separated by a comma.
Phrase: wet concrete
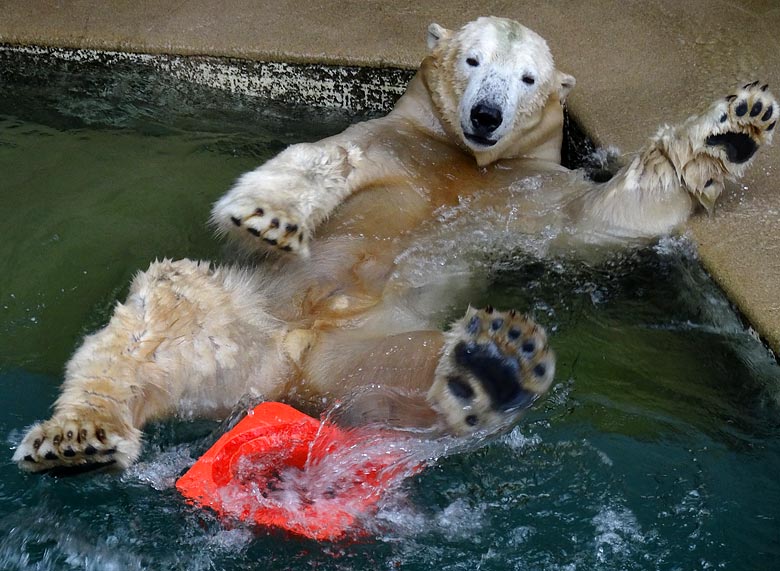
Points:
[[638, 64]]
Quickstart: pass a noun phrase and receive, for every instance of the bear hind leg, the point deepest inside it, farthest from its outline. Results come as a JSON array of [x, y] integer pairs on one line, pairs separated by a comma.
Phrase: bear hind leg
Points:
[[190, 339], [493, 367]]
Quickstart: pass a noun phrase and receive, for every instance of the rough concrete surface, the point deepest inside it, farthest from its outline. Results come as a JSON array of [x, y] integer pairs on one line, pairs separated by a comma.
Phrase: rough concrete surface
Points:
[[638, 64]]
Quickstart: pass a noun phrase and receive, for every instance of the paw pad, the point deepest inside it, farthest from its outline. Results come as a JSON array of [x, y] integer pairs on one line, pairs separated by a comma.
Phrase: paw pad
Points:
[[745, 122], [495, 365], [508, 352]]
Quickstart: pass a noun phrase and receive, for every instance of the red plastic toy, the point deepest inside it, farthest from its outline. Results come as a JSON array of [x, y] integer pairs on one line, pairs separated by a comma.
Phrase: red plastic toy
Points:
[[265, 470]]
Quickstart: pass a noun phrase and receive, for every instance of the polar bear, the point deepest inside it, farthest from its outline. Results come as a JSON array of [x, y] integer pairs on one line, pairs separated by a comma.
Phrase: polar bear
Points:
[[371, 237]]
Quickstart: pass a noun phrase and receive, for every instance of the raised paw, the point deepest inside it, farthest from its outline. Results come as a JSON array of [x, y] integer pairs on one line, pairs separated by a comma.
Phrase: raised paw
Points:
[[278, 205], [68, 443], [708, 149], [493, 367], [742, 122]]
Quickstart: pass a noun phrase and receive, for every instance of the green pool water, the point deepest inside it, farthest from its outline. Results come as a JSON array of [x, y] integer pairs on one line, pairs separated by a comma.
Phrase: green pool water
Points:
[[658, 447]]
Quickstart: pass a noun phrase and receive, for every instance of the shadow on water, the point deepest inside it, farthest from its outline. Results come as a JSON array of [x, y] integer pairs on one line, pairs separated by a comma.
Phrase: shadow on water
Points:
[[657, 448]]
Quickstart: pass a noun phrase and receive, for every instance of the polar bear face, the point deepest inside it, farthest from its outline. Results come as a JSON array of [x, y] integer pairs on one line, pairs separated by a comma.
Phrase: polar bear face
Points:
[[492, 82]]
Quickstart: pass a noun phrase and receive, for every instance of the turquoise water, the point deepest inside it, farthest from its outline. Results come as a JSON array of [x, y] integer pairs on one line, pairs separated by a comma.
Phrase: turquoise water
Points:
[[658, 447]]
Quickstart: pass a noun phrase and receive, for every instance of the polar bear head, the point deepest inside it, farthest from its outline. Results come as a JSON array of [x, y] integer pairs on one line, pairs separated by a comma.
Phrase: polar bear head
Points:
[[495, 86]]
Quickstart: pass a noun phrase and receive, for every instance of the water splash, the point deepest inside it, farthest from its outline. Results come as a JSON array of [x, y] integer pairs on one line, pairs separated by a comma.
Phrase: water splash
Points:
[[335, 488]]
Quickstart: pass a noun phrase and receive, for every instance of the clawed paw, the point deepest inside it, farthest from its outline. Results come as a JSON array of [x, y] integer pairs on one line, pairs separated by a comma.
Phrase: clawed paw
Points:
[[274, 227], [70, 443], [743, 122], [278, 205], [494, 366], [710, 148]]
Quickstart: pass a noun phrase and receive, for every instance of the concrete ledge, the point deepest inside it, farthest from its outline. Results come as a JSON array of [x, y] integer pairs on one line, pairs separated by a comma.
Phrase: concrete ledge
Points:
[[358, 89], [638, 64]]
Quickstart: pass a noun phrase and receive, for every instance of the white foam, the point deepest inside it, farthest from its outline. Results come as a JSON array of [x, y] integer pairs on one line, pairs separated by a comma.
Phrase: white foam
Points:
[[162, 470], [516, 440], [617, 532], [461, 519]]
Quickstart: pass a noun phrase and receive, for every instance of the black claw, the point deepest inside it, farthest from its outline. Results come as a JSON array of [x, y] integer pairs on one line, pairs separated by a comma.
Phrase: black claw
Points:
[[723, 118], [287, 248], [708, 183], [290, 228], [772, 126], [270, 241], [235, 220], [768, 114], [259, 212], [489, 309], [751, 84], [274, 223], [730, 98], [108, 451], [756, 109], [764, 87], [253, 232], [741, 109]]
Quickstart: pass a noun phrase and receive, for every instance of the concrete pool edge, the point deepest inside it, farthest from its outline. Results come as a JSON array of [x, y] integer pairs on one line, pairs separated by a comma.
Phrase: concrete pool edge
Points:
[[353, 88], [374, 89]]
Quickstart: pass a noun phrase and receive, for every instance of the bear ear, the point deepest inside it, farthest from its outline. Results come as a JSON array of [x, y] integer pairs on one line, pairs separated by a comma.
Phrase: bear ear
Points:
[[565, 83], [435, 34]]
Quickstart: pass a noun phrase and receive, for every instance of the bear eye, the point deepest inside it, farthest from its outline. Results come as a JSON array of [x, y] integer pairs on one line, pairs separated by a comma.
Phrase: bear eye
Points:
[[472, 61], [529, 79]]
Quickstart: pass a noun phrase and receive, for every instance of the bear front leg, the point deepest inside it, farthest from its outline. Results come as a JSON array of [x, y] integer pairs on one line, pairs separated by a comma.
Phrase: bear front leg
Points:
[[278, 205], [494, 365], [655, 194], [720, 143]]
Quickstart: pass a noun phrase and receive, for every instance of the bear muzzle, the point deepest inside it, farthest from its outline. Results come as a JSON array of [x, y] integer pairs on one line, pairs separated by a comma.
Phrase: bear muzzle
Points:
[[484, 119]]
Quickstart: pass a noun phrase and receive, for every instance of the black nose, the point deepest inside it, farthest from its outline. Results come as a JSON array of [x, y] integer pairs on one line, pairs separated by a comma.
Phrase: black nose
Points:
[[485, 118]]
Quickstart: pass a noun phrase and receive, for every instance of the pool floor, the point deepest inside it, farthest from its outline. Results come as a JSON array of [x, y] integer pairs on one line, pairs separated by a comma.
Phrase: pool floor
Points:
[[657, 448]]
